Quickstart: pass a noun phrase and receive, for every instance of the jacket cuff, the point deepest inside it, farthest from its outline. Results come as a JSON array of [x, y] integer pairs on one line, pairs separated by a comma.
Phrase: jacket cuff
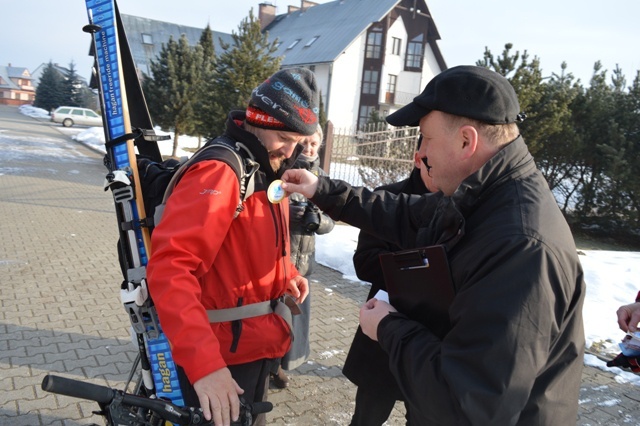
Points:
[[638, 297], [384, 324]]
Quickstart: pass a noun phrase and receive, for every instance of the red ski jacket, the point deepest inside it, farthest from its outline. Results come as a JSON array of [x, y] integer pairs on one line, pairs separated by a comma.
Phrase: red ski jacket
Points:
[[205, 259]]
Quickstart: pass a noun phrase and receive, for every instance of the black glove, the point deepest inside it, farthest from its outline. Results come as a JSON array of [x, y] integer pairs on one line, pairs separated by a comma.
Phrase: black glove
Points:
[[296, 212], [311, 219], [629, 362]]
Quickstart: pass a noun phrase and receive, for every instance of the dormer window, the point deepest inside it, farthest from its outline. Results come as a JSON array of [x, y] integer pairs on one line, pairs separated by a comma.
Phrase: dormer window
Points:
[[291, 46], [313, 40]]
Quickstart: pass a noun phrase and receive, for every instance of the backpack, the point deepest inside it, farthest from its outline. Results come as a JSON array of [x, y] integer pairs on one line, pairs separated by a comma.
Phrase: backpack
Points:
[[158, 179]]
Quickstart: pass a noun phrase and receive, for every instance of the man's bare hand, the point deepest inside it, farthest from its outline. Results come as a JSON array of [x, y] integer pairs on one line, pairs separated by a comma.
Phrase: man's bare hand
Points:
[[298, 287], [629, 317], [218, 395], [301, 181], [371, 314]]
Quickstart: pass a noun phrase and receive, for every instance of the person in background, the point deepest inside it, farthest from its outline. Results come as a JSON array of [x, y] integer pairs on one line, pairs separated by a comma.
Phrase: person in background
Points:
[[629, 316], [628, 319], [513, 352], [377, 393], [207, 264], [305, 222]]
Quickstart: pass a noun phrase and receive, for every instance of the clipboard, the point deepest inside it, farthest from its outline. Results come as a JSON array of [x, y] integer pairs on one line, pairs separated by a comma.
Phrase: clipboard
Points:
[[420, 286]]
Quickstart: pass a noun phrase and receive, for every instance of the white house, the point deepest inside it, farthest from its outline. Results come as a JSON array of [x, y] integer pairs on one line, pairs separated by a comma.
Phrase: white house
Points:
[[16, 86], [367, 54]]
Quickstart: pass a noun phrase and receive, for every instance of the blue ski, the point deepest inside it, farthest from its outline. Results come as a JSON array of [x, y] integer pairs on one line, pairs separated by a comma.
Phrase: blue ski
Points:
[[128, 127]]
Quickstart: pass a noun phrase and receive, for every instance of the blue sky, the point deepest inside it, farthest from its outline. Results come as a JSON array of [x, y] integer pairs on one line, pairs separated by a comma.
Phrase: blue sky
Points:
[[579, 33]]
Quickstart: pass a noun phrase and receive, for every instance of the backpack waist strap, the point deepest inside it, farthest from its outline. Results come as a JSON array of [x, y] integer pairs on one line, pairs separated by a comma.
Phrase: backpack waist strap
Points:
[[284, 306]]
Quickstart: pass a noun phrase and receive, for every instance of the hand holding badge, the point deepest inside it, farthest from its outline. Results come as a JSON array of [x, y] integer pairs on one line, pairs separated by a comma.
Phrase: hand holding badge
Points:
[[630, 356]]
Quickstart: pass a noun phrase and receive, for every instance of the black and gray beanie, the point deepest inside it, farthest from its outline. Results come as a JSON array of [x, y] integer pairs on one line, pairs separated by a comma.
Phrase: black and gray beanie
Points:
[[288, 100]]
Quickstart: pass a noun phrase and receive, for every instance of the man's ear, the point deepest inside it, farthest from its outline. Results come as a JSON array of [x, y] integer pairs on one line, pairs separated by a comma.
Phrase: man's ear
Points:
[[469, 136], [416, 160]]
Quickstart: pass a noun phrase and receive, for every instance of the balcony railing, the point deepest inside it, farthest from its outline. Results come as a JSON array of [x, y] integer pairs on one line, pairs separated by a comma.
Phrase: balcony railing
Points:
[[398, 98]]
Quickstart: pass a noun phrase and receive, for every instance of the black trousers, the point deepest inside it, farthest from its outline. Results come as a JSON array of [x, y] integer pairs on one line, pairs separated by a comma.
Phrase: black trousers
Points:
[[373, 408], [253, 377]]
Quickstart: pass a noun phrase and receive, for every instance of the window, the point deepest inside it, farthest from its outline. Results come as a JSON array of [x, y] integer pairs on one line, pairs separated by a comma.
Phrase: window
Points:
[[395, 48], [293, 44], [311, 41], [374, 44], [391, 84], [365, 114], [370, 82], [390, 96], [414, 53], [147, 39]]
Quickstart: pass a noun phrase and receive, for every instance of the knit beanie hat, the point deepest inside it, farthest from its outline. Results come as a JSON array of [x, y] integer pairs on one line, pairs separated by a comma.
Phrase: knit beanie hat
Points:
[[288, 100]]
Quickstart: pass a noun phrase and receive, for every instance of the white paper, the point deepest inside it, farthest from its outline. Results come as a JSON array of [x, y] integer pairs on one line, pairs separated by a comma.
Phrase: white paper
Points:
[[382, 295]]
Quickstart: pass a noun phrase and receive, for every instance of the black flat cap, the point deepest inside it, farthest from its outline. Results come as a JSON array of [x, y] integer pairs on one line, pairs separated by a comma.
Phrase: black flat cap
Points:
[[467, 91]]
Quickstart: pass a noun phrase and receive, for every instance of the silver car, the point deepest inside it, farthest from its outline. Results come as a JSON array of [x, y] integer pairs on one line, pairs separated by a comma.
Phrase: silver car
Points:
[[69, 116]]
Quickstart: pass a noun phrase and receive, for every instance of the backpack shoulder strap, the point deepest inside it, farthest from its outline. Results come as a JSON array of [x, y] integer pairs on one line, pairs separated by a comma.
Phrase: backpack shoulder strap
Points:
[[235, 154]]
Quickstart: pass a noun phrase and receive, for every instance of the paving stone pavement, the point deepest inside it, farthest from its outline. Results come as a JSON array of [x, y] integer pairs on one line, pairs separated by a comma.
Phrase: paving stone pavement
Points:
[[60, 311]]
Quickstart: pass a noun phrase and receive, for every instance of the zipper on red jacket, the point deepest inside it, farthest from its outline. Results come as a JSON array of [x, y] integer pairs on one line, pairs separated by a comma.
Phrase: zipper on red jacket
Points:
[[279, 216]]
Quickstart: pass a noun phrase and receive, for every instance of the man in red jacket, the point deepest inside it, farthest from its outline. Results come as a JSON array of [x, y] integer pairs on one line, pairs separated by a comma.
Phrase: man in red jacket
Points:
[[208, 268]]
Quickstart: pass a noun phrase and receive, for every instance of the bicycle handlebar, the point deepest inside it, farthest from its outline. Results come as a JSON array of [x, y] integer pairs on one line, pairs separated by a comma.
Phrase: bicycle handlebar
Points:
[[78, 389], [185, 416]]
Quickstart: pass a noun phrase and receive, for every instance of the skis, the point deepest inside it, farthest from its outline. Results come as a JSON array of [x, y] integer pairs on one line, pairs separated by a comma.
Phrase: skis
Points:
[[128, 126]]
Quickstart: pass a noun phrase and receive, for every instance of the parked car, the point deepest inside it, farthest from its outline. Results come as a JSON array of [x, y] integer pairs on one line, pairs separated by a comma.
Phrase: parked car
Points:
[[69, 116]]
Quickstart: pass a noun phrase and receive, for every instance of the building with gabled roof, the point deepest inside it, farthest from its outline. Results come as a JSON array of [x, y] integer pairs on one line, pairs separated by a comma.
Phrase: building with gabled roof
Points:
[[368, 55], [15, 86], [147, 36], [63, 72]]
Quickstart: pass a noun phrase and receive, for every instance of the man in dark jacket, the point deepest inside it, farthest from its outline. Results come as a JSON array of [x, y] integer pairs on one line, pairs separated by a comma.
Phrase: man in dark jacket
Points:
[[377, 393], [513, 354]]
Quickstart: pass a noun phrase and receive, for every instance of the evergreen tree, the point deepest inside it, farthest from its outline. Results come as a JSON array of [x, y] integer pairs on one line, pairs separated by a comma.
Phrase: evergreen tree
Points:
[[242, 66], [559, 149], [72, 88], [322, 115], [616, 198], [205, 123], [173, 91], [49, 92]]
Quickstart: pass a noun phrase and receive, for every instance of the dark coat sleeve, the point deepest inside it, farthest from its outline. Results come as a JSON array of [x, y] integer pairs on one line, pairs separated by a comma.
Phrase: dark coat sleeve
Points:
[[366, 257], [394, 218]]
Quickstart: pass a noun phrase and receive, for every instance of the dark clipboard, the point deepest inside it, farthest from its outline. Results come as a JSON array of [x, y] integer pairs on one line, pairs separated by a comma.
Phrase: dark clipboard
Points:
[[420, 286]]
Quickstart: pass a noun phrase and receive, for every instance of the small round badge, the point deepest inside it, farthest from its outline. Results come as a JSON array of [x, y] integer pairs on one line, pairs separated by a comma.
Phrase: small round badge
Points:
[[275, 193]]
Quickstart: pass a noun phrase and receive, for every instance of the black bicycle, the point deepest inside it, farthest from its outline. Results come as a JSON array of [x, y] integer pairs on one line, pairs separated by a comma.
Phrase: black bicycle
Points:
[[121, 408]]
